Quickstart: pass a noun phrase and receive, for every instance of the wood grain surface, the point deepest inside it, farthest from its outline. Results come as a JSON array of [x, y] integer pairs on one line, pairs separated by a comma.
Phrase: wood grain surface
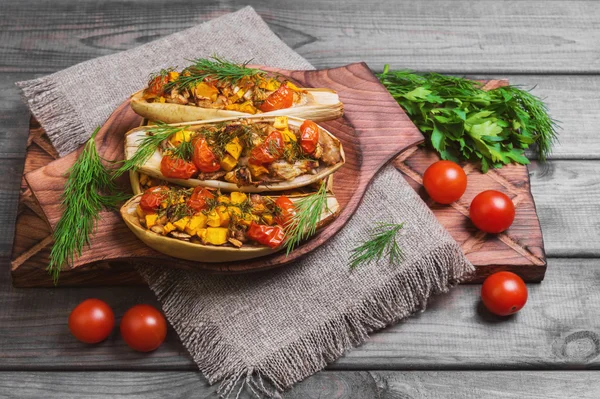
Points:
[[547, 44], [323, 385]]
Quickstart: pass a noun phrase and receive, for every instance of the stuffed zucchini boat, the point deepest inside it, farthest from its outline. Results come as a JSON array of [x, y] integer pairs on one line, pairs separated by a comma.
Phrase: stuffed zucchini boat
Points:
[[210, 89], [253, 154], [205, 225]]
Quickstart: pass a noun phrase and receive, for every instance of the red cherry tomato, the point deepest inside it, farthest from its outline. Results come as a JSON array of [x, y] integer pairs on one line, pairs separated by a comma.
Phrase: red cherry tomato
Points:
[[91, 321], [287, 210], [204, 159], [271, 236], [492, 211], [156, 86], [504, 293], [198, 198], [269, 151], [177, 168], [152, 198], [309, 136], [445, 182], [279, 99], [143, 328]]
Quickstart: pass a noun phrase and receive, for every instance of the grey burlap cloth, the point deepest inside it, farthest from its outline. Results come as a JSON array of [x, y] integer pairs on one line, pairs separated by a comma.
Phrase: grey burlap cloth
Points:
[[263, 332]]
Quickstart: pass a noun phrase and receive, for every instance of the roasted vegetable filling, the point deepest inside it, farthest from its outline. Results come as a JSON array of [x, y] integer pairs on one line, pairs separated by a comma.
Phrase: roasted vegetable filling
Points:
[[248, 153], [208, 217], [220, 84]]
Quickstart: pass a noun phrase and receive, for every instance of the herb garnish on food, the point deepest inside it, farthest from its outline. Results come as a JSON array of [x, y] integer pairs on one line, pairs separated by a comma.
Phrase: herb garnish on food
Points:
[[89, 189], [308, 214], [148, 145], [382, 241], [464, 122], [214, 68]]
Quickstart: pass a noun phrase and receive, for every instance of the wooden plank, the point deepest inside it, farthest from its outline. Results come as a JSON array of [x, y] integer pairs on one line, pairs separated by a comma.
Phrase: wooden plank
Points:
[[503, 36], [326, 384], [557, 329]]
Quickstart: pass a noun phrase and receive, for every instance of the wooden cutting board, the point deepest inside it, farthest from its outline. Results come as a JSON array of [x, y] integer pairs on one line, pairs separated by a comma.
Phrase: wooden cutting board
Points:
[[519, 250]]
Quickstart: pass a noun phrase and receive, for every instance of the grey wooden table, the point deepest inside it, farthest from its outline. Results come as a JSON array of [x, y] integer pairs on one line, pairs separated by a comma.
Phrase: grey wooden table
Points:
[[454, 350]]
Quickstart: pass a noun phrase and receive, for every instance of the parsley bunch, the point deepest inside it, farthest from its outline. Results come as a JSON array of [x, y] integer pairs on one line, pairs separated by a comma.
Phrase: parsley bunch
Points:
[[463, 122]]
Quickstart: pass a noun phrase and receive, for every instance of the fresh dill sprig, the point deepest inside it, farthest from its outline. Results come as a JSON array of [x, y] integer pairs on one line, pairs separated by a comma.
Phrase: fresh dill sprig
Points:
[[184, 151], [461, 121], [89, 189], [214, 68], [304, 223], [148, 145], [382, 241]]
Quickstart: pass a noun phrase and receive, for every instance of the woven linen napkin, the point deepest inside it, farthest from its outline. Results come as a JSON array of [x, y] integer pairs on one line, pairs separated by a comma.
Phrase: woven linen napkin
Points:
[[265, 331]]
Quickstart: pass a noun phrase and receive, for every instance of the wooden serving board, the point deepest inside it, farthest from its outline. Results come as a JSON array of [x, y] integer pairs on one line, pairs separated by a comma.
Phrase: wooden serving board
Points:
[[373, 131], [519, 250]]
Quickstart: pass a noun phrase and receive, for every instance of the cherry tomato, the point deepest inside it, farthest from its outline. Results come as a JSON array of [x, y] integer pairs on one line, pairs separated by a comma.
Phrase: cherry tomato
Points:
[[198, 198], [156, 86], [445, 182], [177, 168], [492, 211], [143, 328], [504, 293], [269, 151], [279, 99], [309, 136], [287, 210], [152, 198], [271, 236], [91, 321], [204, 159]]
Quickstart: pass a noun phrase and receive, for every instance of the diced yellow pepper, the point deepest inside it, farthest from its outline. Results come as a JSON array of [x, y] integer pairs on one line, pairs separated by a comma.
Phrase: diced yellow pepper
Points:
[[228, 162], [180, 137], [169, 227], [270, 85], [161, 99], [205, 90], [293, 87], [151, 220], [234, 210], [268, 218], [196, 222], [234, 148], [240, 93], [173, 75], [181, 223], [223, 199], [238, 198], [257, 170], [288, 136], [214, 220], [281, 122], [201, 233], [249, 218], [215, 236], [223, 215], [246, 107]]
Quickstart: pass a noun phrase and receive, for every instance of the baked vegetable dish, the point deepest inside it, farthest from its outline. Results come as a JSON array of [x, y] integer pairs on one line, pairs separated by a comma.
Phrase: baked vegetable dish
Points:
[[206, 225], [252, 154], [215, 88]]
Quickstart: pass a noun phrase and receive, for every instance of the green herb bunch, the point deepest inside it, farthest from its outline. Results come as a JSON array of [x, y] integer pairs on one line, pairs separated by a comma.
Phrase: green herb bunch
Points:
[[461, 121], [382, 242], [89, 189]]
